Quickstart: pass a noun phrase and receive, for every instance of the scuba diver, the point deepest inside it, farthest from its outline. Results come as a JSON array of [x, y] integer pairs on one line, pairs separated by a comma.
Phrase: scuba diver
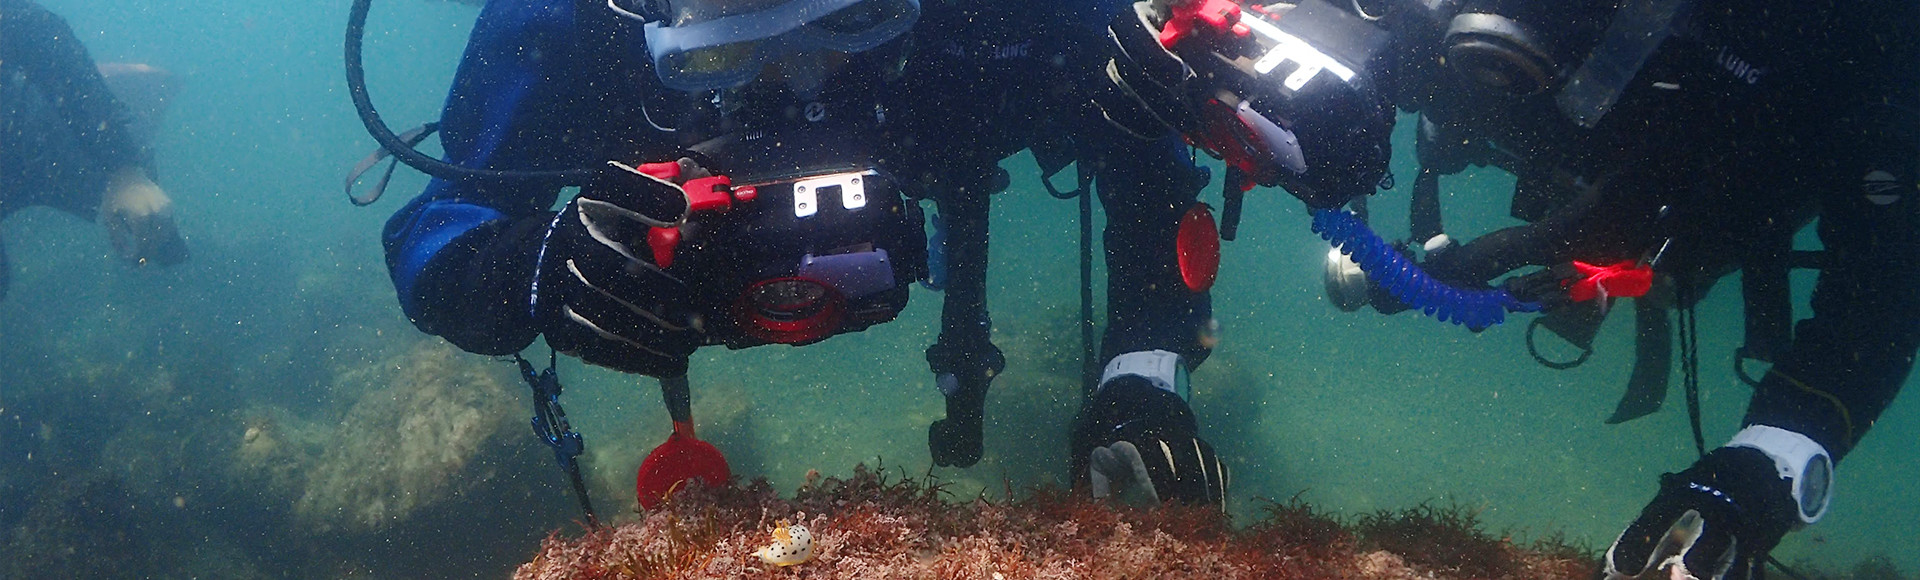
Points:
[[67, 142], [1659, 145], [748, 174], [987, 80]]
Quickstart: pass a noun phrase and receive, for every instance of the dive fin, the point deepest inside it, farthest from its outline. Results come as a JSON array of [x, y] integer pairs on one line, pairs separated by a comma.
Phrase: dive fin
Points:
[[1652, 363]]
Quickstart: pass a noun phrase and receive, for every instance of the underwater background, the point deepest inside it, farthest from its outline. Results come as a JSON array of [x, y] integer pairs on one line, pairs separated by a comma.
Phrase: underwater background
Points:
[[265, 410]]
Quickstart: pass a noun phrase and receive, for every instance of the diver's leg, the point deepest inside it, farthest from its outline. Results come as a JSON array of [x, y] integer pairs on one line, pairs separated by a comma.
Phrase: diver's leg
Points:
[[1145, 188], [1848, 361], [1136, 423], [963, 359]]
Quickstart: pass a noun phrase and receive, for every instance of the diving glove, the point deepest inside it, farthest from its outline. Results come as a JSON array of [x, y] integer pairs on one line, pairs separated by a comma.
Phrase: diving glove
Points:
[[1146, 94], [138, 216], [1719, 518], [1136, 438], [601, 294]]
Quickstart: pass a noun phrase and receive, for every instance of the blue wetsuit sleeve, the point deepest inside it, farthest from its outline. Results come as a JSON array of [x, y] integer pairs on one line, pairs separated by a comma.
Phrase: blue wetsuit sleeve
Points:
[[461, 255]]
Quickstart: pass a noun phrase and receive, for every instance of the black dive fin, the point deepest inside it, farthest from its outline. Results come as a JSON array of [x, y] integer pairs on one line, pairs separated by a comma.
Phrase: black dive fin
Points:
[[1652, 363]]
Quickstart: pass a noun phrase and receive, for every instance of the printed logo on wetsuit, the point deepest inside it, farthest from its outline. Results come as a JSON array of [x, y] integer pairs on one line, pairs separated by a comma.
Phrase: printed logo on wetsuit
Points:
[[988, 51], [1740, 68], [1881, 187]]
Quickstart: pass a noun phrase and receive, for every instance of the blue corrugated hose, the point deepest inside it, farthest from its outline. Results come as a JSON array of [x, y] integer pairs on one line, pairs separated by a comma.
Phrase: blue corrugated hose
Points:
[[1477, 308]]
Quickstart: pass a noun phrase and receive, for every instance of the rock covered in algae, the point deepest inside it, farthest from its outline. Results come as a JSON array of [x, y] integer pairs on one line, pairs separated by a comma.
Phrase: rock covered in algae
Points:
[[409, 442], [872, 526]]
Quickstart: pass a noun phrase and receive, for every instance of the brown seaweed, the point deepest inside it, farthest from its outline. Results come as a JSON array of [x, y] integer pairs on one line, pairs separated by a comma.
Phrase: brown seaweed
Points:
[[873, 525]]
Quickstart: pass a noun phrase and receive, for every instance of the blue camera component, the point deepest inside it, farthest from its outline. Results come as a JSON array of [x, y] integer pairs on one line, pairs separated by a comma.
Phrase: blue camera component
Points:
[[1476, 308]]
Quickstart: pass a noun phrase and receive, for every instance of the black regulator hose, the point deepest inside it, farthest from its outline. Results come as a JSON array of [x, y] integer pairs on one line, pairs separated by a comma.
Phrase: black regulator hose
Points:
[[357, 88]]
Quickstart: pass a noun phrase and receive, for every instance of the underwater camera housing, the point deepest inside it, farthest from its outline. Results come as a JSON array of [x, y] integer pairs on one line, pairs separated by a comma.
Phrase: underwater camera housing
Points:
[[1281, 92], [811, 241]]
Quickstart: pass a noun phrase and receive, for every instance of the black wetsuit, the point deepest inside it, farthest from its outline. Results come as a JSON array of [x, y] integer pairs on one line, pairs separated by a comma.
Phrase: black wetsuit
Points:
[[62, 133], [1756, 118], [541, 88], [989, 79]]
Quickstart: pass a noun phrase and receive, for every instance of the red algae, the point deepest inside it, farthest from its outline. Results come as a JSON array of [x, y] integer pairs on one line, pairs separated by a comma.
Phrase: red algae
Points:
[[873, 526]]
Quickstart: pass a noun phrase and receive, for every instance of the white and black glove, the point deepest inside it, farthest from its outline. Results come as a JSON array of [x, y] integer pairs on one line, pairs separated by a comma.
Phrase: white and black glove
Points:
[[601, 294], [1137, 440], [1719, 518], [1147, 91], [138, 216]]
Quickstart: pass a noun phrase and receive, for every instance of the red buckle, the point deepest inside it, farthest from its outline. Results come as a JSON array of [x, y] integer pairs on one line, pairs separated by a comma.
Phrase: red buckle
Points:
[[1192, 16], [1622, 280], [667, 170], [707, 194]]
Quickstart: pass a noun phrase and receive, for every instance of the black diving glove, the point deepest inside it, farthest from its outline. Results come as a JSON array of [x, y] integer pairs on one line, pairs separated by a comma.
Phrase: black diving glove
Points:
[[1720, 518], [1138, 440], [1145, 94], [601, 295]]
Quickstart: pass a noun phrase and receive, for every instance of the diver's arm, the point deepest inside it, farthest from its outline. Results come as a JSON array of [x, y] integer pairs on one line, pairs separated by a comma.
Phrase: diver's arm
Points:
[[462, 253], [46, 50]]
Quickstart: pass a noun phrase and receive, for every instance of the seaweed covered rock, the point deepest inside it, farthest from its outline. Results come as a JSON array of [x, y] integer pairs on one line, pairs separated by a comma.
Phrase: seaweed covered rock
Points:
[[872, 526], [410, 442]]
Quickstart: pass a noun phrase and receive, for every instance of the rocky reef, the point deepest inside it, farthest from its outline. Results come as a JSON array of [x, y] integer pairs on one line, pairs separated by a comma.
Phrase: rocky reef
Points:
[[872, 525], [410, 442]]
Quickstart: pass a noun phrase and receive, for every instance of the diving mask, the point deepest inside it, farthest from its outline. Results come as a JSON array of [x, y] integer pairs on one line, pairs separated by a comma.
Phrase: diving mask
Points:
[[701, 45]]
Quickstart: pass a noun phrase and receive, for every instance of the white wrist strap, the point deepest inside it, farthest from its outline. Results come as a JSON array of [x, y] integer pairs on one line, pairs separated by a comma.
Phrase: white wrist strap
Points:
[[1159, 367], [1798, 459]]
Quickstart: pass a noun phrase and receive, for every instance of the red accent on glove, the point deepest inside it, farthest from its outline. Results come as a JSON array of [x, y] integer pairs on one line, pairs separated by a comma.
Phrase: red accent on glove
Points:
[[1621, 280], [667, 170], [1194, 16], [663, 241]]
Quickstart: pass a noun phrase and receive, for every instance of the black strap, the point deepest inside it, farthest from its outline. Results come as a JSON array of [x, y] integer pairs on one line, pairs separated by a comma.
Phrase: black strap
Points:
[[964, 349], [1423, 211], [1690, 359], [1089, 353], [1586, 350], [1233, 195], [550, 425], [1769, 303], [1084, 173], [1652, 362], [412, 137]]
